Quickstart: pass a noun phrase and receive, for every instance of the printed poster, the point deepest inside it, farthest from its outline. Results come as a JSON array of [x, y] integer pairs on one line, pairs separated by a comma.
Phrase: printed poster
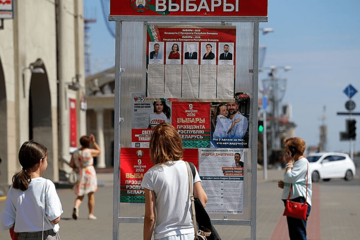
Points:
[[222, 175], [230, 123], [183, 48], [134, 163], [192, 121], [145, 116]]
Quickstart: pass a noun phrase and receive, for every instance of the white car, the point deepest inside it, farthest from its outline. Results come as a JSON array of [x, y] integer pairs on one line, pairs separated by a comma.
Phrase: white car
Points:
[[331, 165]]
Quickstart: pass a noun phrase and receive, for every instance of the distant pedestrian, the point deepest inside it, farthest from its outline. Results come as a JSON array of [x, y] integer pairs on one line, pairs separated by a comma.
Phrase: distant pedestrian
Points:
[[296, 175], [166, 184], [32, 208], [82, 160]]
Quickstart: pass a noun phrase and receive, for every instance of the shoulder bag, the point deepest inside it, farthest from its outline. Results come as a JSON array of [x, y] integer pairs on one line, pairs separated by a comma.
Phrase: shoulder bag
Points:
[[200, 216], [296, 209]]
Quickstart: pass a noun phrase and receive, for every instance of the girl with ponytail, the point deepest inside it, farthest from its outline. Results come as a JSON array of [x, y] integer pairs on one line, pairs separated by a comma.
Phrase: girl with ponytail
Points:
[[24, 206]]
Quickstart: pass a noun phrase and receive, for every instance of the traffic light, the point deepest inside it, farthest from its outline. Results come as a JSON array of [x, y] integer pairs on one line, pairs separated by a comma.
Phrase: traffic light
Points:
[[352, 129], [261, 126]]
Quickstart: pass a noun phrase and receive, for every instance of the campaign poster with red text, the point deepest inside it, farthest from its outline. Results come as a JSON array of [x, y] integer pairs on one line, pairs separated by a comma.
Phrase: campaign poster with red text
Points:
[[135, 162], [192, 121]]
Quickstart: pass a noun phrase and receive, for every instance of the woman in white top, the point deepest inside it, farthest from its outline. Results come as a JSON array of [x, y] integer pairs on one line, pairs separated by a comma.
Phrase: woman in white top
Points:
[[296, 171], [166, 184], [24, 207]]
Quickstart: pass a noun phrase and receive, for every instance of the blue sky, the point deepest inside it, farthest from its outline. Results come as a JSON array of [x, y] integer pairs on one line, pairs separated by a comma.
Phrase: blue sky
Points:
[[319, 39]]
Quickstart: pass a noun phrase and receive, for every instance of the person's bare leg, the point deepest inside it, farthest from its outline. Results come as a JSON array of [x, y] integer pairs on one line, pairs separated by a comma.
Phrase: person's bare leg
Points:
[[78, 201], [91, 205]]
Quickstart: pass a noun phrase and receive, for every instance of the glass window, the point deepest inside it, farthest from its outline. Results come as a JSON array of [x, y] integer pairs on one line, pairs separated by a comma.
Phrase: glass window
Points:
[[313, 158], [338, 158]]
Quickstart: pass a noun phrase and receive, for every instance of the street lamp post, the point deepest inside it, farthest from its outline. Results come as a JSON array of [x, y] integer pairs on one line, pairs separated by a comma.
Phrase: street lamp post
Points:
[[274, 88]]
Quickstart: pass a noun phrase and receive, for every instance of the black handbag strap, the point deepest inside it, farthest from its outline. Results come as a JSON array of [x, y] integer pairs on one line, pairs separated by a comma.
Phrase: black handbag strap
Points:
[[307, 173], [191, 192], [192, 167]]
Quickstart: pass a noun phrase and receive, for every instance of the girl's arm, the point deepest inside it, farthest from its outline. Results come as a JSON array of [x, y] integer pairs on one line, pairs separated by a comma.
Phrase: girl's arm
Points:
[[233, 124], [55, 221], [200, 193], [149, 221]]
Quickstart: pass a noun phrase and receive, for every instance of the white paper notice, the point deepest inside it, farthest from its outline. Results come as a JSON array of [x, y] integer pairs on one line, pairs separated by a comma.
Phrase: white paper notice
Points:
[[156, 75], [207, 81], [222, 180], [225, 82], [173, 81], [190, 81]]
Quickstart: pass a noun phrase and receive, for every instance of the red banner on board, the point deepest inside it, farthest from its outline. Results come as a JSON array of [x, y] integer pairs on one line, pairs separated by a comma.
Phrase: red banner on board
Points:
[[226, 8], [192, 121], [73, 123]]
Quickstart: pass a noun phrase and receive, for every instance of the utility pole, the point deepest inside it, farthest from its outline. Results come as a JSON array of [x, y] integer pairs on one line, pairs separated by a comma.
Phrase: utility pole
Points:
[[323, 132], [274, 88]]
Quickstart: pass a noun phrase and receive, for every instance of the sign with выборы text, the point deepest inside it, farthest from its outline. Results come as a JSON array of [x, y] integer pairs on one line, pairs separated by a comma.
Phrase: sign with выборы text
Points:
[[226, 8]]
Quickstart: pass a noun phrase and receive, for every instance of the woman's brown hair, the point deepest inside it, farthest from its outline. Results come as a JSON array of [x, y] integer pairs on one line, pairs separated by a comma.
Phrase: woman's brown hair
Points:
[[165, 144], [30, 154], [297, 143], [85, 141]]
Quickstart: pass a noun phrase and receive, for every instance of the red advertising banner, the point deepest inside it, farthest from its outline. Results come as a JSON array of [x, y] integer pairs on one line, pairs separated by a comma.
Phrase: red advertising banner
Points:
[[226, 8], [192, 121], [135, 162], [73, 122]]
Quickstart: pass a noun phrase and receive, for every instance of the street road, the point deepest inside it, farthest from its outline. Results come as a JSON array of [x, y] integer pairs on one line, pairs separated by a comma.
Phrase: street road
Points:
[[336, 217]]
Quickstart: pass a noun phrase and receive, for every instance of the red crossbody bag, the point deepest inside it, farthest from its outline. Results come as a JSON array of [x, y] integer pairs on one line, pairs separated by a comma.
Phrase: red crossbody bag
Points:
[[296, 209]]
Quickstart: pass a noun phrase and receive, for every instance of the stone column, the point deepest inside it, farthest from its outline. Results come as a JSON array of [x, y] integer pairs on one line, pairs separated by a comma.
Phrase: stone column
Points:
[[100, 137]]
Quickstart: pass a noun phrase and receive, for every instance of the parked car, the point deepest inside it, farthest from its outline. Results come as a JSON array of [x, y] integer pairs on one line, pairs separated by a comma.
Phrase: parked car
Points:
[[331, 165]]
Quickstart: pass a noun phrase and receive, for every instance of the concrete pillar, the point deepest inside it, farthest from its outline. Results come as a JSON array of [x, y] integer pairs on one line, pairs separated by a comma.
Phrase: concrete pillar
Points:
[[100, 137]]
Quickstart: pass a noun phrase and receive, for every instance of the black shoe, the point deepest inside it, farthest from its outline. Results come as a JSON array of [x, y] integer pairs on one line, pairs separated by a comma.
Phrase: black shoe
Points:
[[75, 214]]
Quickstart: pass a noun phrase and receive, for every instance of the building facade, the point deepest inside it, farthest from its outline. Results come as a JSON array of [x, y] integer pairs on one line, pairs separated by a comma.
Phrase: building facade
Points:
[[41, 73]]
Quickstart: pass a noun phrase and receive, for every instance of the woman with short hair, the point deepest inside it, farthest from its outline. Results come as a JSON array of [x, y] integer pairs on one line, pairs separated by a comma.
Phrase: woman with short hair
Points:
[[166, 184], [295, 176]]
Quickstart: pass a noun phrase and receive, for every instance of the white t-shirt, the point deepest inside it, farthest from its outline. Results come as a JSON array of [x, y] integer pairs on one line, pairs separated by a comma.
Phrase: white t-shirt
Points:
[[297, 177], [170, 183], [25, 208], [155, 119]]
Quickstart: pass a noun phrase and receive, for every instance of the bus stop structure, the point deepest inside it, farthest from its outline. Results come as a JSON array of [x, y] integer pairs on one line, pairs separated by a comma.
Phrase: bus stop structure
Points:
[[146, 71]]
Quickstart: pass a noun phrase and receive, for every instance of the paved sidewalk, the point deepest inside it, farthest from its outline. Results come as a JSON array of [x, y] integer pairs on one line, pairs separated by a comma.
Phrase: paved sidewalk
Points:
[[336, 217]]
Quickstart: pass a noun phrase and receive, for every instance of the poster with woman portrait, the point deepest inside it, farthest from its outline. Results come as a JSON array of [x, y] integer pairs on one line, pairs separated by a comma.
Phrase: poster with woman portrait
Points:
[[208, 53], [173, 53], [145, 116]]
